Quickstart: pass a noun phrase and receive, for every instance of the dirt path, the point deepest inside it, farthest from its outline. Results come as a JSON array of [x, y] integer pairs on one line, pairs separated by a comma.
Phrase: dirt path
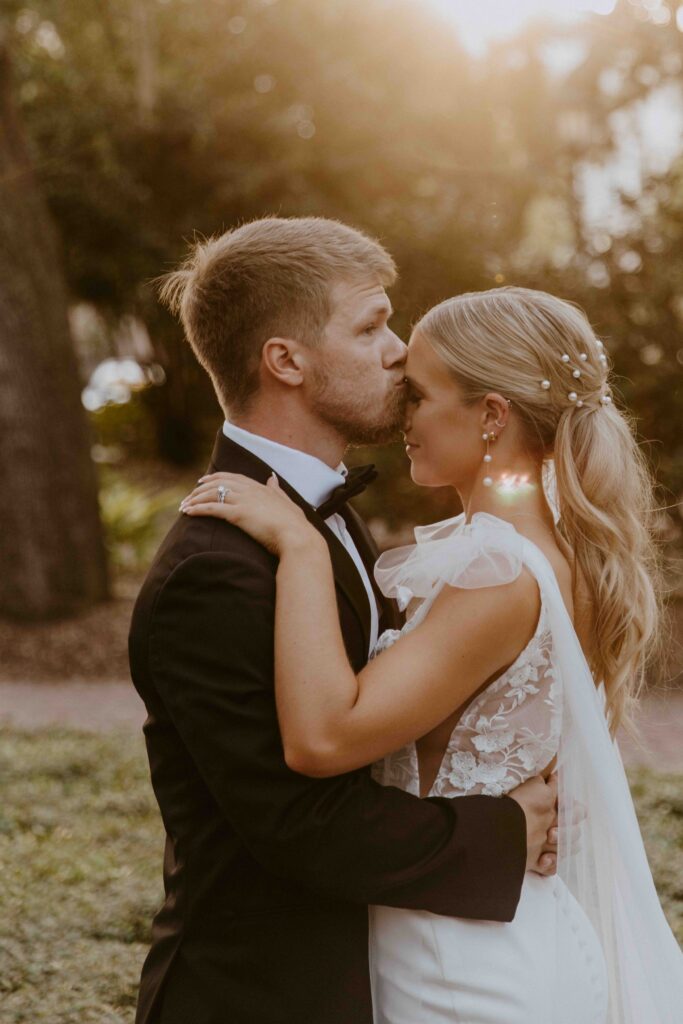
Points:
[[92, 706], [104, 706]]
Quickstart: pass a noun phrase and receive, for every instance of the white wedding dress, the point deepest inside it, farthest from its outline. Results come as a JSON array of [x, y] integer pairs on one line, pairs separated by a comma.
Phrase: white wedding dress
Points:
[[588, 946]]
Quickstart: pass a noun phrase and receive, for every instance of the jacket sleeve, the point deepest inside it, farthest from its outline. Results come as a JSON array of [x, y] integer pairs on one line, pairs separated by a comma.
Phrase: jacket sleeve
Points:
[[211, 658]]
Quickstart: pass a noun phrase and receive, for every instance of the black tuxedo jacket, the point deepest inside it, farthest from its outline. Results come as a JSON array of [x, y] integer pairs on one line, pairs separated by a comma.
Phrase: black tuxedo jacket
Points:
[[268, 873]]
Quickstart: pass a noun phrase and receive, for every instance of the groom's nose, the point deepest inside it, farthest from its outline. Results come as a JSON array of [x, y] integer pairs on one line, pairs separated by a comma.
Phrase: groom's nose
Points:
[[396, 352]]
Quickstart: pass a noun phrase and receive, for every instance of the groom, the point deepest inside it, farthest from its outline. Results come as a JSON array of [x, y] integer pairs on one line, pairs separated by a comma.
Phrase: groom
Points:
[[267, 873]]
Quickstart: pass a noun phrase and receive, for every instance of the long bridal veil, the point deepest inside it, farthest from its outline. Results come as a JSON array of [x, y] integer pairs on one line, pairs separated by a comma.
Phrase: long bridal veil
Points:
[[609, 874], [601, 857], [607, 869]]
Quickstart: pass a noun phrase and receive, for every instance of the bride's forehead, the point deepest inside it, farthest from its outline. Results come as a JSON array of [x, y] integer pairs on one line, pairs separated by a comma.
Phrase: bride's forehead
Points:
[[423, 364]]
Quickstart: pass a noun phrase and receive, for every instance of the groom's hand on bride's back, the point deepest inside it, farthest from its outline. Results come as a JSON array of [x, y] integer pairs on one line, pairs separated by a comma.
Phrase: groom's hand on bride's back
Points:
[[538, 800]]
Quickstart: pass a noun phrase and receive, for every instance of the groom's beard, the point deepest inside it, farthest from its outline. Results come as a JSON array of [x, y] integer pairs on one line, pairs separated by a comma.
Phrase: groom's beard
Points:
[[357, 415]]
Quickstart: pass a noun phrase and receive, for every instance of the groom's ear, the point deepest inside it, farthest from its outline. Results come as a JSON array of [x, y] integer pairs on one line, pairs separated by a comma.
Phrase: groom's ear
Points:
[[282, 360]]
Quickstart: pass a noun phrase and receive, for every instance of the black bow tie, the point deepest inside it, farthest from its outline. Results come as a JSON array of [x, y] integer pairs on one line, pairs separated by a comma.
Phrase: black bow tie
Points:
[[357, 479]]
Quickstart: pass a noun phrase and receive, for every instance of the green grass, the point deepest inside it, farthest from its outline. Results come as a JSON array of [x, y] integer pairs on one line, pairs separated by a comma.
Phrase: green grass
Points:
[[80, 866], [659, 803]]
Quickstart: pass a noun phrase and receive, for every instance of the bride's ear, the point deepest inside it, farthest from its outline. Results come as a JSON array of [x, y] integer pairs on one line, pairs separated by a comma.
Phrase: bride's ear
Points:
[[496, 412]]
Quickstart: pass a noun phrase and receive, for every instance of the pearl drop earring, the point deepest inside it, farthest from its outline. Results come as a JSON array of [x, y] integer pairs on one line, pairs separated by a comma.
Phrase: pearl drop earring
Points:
[[488, 458]]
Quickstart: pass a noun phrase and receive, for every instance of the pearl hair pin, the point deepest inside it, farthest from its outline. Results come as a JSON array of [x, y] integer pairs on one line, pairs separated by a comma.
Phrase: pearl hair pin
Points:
[[605, 399]]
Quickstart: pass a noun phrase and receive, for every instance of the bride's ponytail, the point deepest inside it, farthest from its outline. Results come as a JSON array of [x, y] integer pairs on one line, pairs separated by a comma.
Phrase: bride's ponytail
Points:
[[541, 353], [606, 501]]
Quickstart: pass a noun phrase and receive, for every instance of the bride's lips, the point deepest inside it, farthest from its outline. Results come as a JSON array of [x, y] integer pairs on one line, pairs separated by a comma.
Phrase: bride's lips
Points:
[[410, 447]]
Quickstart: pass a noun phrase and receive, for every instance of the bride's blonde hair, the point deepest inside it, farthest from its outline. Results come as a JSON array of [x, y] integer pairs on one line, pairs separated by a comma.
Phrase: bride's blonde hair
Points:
[[515, 341]]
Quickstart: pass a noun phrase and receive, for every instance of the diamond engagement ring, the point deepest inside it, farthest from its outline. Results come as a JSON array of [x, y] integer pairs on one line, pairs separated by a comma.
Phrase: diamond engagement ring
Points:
[[222, 491]]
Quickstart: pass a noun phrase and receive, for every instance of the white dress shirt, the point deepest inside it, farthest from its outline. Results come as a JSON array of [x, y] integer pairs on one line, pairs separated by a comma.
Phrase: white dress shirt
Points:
[[314, 481]]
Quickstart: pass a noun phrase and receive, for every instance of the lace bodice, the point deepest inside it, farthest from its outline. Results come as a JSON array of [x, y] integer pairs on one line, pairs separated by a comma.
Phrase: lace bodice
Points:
[[508, 733]]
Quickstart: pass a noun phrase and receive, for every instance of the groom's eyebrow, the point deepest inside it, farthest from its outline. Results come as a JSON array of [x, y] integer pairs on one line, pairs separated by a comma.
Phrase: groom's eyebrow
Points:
[[383, 308]]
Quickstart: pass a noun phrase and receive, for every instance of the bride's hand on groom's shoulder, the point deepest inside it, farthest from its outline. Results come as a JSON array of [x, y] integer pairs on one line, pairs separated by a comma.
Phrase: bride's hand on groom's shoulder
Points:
[[263, 511]]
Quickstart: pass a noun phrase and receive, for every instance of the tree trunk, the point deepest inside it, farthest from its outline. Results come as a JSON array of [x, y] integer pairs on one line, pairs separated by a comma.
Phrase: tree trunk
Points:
[[52, 556]]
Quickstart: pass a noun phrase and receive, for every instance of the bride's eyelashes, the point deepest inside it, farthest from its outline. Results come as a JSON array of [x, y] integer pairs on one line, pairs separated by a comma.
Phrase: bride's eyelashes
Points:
[[414, 398]]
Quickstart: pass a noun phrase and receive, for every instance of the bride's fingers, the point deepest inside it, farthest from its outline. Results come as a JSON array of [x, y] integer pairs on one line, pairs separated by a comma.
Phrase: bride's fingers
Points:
[[231, 478], [234, 484], [573, 841], [547, 864], [201, 495], [212, 488], [217, 509], [230, 483], [235, 488]]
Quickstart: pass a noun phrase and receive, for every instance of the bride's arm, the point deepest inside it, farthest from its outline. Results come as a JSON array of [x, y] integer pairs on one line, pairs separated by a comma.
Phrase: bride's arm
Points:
[[331, 720]]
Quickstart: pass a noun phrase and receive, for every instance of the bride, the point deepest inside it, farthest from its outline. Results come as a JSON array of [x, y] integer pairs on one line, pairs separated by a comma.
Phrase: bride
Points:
[[529, 620]]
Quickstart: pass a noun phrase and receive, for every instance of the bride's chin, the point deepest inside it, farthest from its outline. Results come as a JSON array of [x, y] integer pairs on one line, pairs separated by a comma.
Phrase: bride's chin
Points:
[[420, 476], [424, 476]]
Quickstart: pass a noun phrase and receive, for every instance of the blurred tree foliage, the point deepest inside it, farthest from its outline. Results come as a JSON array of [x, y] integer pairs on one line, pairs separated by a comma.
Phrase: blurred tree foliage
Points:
[[155, 119], [51, 545]]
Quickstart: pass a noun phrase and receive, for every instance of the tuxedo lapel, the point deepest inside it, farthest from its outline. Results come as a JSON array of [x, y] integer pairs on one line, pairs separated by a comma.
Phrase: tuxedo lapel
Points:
[[230, 457], [390, 617]]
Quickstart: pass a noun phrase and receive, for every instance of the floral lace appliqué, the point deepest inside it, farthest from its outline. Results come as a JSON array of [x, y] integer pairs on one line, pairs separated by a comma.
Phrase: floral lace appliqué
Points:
[[508, 734]]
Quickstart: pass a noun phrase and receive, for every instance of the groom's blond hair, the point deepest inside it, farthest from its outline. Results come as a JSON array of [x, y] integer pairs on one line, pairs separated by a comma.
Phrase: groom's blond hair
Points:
[[268, 278]]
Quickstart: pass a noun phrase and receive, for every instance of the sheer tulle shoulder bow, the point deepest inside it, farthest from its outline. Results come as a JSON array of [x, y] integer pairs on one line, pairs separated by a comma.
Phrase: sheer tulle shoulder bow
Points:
[[486, 552]]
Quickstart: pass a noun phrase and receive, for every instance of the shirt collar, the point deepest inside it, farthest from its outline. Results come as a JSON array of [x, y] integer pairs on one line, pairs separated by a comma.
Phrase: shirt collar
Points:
[[308, 475]]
